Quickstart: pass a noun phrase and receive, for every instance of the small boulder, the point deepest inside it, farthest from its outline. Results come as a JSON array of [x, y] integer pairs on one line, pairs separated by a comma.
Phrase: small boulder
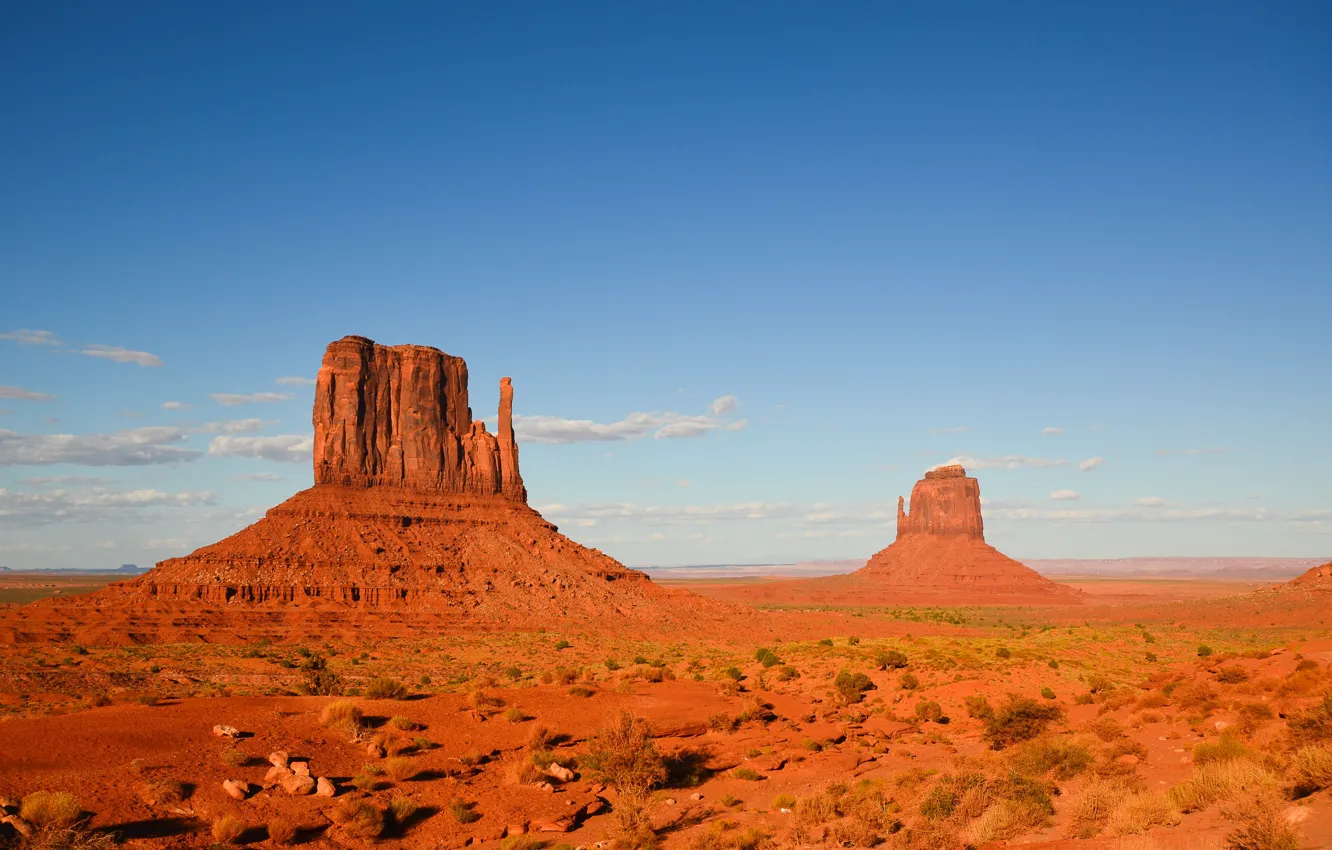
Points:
[[560, 772], [696, 796], [300, 768], [374, 751], [515, 829], [236, 788], [298, 786], [275, 775], [278, 758], [20, 826], [324, 788], [557, 825], [226, 731], [546, 786], [1127, 758]]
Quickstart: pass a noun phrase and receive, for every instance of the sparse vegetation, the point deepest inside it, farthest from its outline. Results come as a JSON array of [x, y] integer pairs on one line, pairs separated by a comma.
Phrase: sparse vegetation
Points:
[[1019, 719], [359, 818], [342, 716], [228, 829], [281, 831], [385, 687], [50, 809]]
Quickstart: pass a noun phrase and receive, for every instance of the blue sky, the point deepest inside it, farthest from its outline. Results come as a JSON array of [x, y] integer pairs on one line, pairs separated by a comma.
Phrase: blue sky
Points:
[[825, 246]]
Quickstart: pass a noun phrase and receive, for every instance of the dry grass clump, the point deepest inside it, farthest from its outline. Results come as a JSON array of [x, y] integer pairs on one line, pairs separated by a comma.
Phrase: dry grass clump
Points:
[[540, 738], [1091, 809], [1260, 825], [1141, 811], [281, 831], [1005, 820], [63, 838], [1020, 719], [406, 724], [160, 791], [723, 835], [1311, 767], [228, 829], [400, 809], [358, 818], [1312, 725], [623, 754], [1218, 782], [400, 769], [50, 809], [342, 716], [233, 757], [1225, 748], [385, 687], [1062, 757]]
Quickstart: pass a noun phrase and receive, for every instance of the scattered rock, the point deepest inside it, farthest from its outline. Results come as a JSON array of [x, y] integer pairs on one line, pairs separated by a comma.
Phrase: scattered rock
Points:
[[275, 775], [226, 731], [558, 825], [1127, 758], [278, 758], [298, 786], [560, 772], [515, 829], [237, 788], [696, 796], [374, 751], [20, 826], [300, 768], [546, 786], [325, 788]]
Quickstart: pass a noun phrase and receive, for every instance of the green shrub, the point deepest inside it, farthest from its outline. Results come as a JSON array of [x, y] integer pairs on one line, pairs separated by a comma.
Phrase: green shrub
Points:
[[826, 642], [1151, 657], [851, 687], [908, 682], [979, 707], [891, 659], [1231, 675], [463, 811], [767, 657], [1020, 719], [385, 688], [928, 711], [1048, 693], [562, 644], [748, 774], [1003, 652], [1204, 650]]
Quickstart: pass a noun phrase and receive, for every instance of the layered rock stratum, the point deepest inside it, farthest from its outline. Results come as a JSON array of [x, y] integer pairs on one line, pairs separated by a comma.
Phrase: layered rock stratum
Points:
[[418, 515], [940, 547]]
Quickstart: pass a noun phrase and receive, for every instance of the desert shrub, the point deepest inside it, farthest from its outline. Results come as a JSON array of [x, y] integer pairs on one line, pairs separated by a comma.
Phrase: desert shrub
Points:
[[463, 811], [1311, 725], [400, 809], [826, 642], [1106, 728], [522, 842], [400, 769], [1231, 675], [979, 707], [540, 738], [908, 682], [1225, 748], [623, 754], [516, 715], [851, 687], [1204, 650], [890, 659], [783, 801], [1218, 782], [367, 781], [1260, 825], [397, 721], [786, 673], [232, 757], [1061, 757], [161, 790], [1047, 693], [1084, 699], [767, 657], [1150, 657], [281, 831], [1195, 696], [928, 711], [1003, 652], [342, 716], [1311, 767], [748, 774], [50, 809], [1023, 805], [1090, 811], [1142, 811], [317, 679], [1253, 715], [1020, 719], [359, 818], [581, 691], [228, 829], [385, 687]]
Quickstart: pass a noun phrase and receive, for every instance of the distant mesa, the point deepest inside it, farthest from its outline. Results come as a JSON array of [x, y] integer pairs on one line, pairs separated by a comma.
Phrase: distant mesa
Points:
[[941, 548], [416, 509]]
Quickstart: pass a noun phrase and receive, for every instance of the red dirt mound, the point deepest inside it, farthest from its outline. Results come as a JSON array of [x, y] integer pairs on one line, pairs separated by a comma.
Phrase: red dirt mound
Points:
[[417, 510], [941, 547], [1318, 578]]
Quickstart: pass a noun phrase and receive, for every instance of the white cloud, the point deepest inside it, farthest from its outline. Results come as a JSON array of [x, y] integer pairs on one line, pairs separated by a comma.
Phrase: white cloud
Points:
[[1052, 432], [23, 336], [134, 447], [957, 429], [170, 544], [234, 426], [1136, 514], [662, 426], [122, 355], [723, 405], [175, 405], [294, 381], [258, 476], [33, 548], [286, 448], [234, 399], [1064, 495], [1090, 463], [97, 504], [1149, 501], [44, 481], [1005, 462], [25, 395]]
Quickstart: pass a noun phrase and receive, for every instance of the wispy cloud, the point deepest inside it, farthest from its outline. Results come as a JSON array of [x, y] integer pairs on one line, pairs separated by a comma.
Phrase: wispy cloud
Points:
[[121, 355], [134, 447], [234, 399], [175, 405], [284, 448], [234, 426], [96, 504], [23, 395], [723, 405], [294, 381], [1149, 501], [1064, 495], [1136, 514], [665, 425], [1090, 463], [258, 476], [23, 336], [1052, 432], [1004, 462]]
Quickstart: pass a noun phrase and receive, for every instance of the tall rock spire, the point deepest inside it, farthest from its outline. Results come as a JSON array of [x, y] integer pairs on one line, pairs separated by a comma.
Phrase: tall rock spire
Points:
[[511, 482], [945, 501]]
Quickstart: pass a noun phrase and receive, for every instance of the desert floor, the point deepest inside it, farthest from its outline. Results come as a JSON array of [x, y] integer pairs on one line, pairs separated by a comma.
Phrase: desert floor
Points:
[[1158, 714]]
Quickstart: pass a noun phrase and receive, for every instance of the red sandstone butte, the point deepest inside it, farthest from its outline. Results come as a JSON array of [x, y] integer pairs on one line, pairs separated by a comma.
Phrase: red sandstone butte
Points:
[[416, 510], [941, 546]]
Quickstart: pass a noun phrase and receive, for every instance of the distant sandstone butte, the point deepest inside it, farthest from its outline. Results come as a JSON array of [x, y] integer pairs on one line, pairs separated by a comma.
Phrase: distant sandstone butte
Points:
[[941, 548], [399, 416], [1317, 578], [418, 518]]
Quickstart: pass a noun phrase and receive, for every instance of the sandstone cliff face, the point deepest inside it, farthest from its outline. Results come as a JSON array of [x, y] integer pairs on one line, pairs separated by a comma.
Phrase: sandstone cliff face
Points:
[[399, 416], [945, 501]]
